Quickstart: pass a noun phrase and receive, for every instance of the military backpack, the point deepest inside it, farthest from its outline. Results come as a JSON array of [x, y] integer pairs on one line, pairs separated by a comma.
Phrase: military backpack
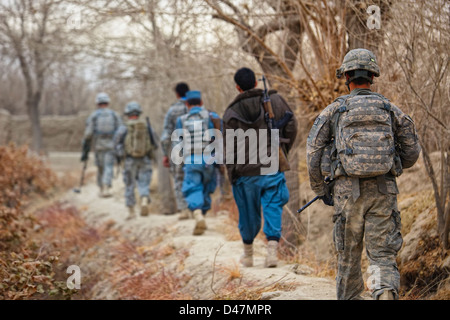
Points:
[[363, 131], [105, 122], [137, 141]]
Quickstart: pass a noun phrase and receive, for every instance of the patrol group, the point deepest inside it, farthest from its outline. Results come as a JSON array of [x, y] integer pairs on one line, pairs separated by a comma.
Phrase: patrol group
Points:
[[361, 142]]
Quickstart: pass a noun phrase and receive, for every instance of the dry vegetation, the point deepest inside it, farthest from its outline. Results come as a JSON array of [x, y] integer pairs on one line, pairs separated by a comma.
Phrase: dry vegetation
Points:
[[26, 266], [138, 50]]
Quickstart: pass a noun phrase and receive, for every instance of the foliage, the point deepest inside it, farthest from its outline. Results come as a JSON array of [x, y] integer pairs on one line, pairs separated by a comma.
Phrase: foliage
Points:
[[26, 269]]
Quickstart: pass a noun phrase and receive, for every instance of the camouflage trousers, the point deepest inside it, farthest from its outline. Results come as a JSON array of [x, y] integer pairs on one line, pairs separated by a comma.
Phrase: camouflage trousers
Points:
[[104, 160], [137, 171], [374, 215], [177, 172]]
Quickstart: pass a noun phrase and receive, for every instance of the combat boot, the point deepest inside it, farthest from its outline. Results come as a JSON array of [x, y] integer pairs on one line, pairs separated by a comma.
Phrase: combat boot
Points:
[[144, 206], [247, 257], [386, 295], [131, 213], [200, 223], [106, 192], [271, 258], [185, 214], [100, 192]]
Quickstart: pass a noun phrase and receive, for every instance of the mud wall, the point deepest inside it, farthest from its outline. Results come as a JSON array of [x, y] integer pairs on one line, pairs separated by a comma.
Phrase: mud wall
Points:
[[59, 133]]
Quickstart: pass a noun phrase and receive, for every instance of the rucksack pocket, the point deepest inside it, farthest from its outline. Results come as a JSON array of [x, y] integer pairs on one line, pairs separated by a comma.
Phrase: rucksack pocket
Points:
[[368, 154]]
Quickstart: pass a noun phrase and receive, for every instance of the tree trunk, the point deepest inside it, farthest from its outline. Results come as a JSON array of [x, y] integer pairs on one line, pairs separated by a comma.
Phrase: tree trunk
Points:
[[165, 187], [36, 131], [446, 231]]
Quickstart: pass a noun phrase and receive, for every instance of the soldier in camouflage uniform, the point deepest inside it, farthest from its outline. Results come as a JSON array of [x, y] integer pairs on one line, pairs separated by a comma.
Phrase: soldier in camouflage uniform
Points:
[[175, 111], [365, 201], [100, 129], [133, 143]]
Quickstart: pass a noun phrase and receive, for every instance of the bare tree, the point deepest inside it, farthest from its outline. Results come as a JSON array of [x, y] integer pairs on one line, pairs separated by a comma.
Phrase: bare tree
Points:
[[420, 46], [34, 33]]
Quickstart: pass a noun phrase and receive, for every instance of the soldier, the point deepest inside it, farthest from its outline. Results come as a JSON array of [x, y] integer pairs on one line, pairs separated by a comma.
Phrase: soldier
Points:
[[100, 129], [133, 142], [176, 110], [362, 141], [199, 175], [252, 188]]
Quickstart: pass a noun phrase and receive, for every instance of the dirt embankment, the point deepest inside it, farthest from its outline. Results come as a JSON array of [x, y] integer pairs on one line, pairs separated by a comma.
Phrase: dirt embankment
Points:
[[62, 133], [423, 264], [207, 266]]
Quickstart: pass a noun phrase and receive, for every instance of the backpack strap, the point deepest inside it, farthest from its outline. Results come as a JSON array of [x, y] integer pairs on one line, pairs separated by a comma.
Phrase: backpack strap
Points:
[[335, 162]]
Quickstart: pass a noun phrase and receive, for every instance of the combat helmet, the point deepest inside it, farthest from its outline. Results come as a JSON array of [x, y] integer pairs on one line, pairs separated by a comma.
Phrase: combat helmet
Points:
[[362, 61], [133, 108], [102, 98]]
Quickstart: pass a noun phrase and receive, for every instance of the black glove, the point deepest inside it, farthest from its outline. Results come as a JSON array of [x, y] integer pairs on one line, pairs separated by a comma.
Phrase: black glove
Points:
[[327, 199], [84, 156], [86, 149]]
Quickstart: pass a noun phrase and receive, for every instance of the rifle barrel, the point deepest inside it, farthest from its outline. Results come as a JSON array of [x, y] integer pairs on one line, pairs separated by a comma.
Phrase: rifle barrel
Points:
[[308, 204], [149, 127]]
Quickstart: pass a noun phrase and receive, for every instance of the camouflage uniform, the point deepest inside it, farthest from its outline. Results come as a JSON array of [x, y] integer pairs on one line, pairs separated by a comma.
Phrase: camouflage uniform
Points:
[[138, 152], [138, 170], [175, 111], [103, 144], [369, 210]]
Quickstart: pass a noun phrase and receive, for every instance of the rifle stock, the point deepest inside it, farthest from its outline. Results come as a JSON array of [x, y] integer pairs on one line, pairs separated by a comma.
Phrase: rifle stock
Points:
[[282, 157], [330, 184], [149, 127]]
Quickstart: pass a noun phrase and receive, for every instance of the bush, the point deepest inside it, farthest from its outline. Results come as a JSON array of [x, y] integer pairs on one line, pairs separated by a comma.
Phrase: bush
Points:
[[26, 269]]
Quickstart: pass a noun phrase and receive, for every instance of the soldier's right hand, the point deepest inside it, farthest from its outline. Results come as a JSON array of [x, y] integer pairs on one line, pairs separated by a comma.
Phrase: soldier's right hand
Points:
[[327, 199], [84, 157], [166, 162]]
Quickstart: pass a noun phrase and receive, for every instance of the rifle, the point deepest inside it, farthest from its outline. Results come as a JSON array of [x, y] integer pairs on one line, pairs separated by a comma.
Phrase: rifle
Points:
[[78, 190], [119, 161], [150, 132], [273, 124], [330, 184]]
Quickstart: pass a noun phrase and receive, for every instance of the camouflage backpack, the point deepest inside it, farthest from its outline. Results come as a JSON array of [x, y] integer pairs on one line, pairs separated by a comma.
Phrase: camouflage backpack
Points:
[[363, 131], [105, 122], [196, 124], [137, 141]]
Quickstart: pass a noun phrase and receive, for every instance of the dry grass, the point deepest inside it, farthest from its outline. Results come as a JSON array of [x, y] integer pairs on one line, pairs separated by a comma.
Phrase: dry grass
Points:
[[130, 267], [232, 271], [305, 256], [422, 276], [251, 290], [302, 170], [418, 203]]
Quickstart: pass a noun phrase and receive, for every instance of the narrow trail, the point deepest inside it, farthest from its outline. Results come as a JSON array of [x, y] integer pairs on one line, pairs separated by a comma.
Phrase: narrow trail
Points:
[[208, 255]]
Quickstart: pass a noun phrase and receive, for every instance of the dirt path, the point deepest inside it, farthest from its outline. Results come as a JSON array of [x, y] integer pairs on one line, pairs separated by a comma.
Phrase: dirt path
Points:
[[208, 256]]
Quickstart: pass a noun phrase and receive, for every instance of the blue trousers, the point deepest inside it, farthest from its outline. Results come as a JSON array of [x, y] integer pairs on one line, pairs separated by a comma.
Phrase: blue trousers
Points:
[[252, 194], [198, 184]]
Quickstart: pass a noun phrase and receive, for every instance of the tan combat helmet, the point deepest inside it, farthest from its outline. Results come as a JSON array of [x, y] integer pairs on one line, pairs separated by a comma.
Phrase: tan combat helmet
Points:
[[362, 61]]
